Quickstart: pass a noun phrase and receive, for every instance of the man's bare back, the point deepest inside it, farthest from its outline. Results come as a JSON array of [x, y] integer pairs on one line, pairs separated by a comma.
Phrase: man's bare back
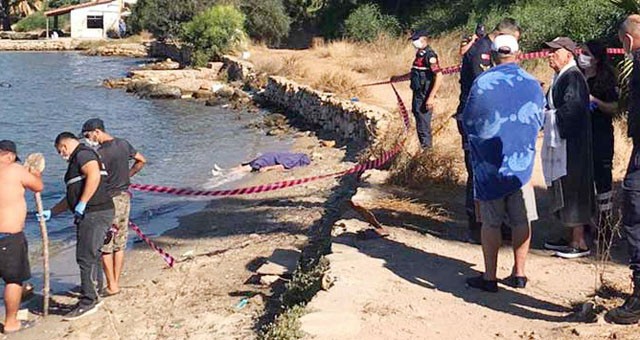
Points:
[[14, 178]]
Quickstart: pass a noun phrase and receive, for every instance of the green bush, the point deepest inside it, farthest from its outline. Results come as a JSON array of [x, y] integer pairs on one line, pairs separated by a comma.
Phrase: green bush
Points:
[[164, 18], [267, 20], [214, 32], [367, 22], [34, 22]]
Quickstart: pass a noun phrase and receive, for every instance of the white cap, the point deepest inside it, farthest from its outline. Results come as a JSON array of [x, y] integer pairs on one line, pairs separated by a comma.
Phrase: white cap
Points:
[[505, 44]]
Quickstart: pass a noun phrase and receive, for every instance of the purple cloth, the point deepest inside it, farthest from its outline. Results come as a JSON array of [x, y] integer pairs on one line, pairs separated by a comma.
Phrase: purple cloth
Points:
[[287, 159]]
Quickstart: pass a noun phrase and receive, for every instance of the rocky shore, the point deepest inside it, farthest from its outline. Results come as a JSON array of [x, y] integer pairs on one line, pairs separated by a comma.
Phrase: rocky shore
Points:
[[32, 42]]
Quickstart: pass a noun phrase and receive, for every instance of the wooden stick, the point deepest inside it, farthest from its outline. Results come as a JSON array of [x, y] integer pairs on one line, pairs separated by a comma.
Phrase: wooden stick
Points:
[[35, 162], [45, 253]]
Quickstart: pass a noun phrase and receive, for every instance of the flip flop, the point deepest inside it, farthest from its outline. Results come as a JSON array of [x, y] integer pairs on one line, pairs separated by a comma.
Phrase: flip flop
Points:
[[109, 294], [23, 325], [371, 234]]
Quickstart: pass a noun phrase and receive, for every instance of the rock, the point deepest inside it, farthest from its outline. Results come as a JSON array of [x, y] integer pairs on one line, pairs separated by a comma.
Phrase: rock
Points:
[[281, 262], [268, 280], [275, 120], [328, 143], [117, 83], [203, 94], [225, 91], [159, 91], [216, 101], [24, 36], [276, 132]]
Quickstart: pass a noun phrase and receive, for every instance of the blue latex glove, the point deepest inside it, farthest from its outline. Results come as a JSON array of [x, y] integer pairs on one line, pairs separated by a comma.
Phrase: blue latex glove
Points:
[[78, 212], [593, 106], [46, 215]]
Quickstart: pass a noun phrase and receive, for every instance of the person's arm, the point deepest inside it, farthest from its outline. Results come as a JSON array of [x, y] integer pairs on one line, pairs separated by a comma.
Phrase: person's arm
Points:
[[60, 207], [139, 163], [278, 167], [32, 180], [464, 48], [480, 61], [610, 108], [91, 171], [437, 81]]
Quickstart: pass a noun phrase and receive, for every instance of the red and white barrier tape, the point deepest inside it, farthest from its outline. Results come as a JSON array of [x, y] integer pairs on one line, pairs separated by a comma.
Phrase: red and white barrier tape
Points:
[[372, 164], [457, 68], [170, 260]]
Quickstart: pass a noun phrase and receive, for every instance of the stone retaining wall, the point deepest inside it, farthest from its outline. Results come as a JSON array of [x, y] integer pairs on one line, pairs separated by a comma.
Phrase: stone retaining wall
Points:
[[370, 128], [174, 51], [64, 44]]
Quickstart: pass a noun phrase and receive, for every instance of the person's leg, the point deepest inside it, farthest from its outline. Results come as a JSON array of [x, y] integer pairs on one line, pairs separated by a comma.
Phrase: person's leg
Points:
[[491, 242], [12, 295], [417, 108], [118, 264], [521, 240], [469, 204], [629, 312], [109, 270], [87, 259], [121, 222], [578, 240], [426, 126]]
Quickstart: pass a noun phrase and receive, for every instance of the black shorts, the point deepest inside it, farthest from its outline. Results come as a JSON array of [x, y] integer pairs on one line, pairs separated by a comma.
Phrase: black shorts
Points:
[[14, 258]]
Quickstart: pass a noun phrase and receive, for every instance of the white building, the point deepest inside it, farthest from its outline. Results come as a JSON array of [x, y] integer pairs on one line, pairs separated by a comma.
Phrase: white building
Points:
[[92, 20]]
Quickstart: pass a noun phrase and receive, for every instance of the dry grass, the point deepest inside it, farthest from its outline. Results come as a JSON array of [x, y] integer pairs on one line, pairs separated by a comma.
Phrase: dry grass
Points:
[[341, 83]]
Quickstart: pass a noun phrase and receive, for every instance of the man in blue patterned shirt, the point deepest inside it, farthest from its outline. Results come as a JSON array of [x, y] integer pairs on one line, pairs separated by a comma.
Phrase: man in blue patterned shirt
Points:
[[502, 118]]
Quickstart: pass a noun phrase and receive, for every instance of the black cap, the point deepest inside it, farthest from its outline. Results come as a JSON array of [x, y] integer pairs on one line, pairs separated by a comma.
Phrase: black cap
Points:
[[419, 33], [7, 145], [563, 42], [93, 124]]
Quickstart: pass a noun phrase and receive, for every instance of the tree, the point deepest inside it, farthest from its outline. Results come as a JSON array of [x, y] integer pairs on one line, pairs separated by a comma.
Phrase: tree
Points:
[[629, 6], [164, 18], [267, 20], [214, 32]]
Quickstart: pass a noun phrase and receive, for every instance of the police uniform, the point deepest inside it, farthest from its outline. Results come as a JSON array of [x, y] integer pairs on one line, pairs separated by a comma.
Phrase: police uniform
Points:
[[474, 62], [92, 228], [423, 72]]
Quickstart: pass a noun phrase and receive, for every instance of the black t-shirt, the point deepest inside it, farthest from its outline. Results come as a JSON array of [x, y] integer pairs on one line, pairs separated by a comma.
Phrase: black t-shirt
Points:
[[75, 181], [605, 89], [474, 62], [116, 155], [424, 68]]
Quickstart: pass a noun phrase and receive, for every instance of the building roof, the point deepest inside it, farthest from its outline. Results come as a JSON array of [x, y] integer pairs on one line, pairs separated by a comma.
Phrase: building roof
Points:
[[68, 9]]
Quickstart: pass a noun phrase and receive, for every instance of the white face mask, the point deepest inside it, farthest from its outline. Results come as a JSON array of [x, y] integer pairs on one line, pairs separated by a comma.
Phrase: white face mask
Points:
[[66, 158], [91, 143], [418, 44], [585, 61]]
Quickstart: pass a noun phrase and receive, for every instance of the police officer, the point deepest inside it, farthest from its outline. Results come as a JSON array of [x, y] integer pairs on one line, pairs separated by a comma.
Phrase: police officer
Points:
[[425, 82], [87, 198], [629, 312], [475, 61]]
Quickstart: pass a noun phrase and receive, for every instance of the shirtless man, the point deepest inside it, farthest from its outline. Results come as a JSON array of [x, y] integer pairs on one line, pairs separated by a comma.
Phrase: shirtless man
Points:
[[14, 254]]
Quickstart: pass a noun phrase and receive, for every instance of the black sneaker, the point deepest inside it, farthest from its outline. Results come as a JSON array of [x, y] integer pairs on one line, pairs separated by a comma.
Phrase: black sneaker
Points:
[[80, 311], [479, 282], [560, 244], [627, 314], [573, 253], [513, 281]]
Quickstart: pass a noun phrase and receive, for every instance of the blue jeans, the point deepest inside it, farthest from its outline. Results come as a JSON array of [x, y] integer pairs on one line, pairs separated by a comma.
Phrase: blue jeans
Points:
[[631, 209]]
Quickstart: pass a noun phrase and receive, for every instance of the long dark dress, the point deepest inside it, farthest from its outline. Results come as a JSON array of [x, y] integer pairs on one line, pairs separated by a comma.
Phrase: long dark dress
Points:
[[573, 195]]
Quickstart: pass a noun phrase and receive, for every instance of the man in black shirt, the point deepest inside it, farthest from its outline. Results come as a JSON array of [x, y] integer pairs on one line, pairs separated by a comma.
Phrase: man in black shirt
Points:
[[475, 61], [425, 82], [629, 312], [92, 207], [116, 154]]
